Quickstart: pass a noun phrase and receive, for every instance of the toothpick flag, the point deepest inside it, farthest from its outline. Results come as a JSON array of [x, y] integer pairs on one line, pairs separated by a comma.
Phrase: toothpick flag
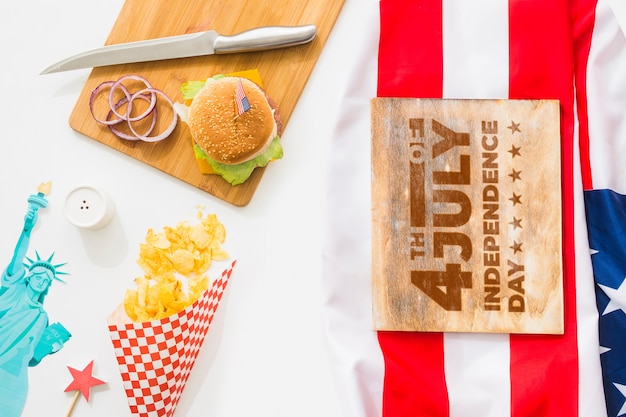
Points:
[[243, 105], [82, 383]]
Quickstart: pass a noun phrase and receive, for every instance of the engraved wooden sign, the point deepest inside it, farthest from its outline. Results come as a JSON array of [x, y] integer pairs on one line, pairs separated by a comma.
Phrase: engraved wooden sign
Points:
[[466, 215]]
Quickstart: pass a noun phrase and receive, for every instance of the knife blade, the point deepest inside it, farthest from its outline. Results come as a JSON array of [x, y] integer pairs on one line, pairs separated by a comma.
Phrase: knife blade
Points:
[[189, 45]]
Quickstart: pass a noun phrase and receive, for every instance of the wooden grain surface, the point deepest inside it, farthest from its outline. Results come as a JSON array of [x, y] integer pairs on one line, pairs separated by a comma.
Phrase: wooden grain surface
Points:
[[284, 72], [466, 216]]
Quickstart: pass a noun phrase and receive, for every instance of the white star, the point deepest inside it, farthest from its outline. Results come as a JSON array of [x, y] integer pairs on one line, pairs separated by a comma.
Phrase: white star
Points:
[[622, 389], [617, 297], [604, 349], [593, 251]]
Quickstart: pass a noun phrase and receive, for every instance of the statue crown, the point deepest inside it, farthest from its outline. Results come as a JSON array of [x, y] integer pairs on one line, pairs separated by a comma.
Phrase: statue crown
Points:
[[47, 264]]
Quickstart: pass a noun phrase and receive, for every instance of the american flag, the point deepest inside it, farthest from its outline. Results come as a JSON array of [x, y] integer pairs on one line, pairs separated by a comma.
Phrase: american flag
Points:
[[573, 51], [243, 105], [606, 211]]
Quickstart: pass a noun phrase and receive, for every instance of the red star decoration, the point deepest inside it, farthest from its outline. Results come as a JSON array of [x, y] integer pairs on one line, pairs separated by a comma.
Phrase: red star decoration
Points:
[[83, 380]]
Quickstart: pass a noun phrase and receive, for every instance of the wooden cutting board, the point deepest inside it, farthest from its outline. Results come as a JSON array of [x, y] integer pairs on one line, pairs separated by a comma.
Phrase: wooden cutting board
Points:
[[284, 72]]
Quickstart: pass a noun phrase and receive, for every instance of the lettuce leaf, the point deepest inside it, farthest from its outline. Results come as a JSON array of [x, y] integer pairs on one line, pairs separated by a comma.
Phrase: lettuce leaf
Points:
[[237, 174], [191, 88]]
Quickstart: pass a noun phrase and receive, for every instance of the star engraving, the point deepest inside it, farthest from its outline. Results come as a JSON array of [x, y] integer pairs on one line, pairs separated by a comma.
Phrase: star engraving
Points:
[[516, 223], [515, 175], [516, 199], [514, 127], [515, 151], [517, 247]]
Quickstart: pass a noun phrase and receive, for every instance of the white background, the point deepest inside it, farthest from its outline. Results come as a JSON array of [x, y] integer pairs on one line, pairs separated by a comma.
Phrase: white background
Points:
[[266, 354]]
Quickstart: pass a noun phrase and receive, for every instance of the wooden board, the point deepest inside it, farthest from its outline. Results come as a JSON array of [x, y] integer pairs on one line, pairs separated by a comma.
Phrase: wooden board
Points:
[[284, 72], [466, 216]]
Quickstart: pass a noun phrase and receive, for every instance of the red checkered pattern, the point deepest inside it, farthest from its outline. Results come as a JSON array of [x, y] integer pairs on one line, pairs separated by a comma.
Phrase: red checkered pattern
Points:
[[156, 357]]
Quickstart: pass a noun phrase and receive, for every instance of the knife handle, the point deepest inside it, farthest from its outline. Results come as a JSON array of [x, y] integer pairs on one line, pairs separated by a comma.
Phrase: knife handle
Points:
[[264, 38]]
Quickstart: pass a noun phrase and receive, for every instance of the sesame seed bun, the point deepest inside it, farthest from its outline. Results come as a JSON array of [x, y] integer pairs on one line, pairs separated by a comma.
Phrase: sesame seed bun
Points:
[[225, 136]]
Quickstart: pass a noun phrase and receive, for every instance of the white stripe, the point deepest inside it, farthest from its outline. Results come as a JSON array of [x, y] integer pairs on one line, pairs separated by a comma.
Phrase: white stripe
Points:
[[476, 65], [606, 98], [353, 346], [475, 49], [591, 394]]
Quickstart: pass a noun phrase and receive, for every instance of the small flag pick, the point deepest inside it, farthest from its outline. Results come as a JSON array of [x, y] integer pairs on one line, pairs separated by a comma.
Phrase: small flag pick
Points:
[[243, 105], [82, 383]]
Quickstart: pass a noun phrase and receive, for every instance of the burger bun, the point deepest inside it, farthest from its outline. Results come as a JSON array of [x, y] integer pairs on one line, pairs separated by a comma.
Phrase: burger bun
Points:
[[221, 132]]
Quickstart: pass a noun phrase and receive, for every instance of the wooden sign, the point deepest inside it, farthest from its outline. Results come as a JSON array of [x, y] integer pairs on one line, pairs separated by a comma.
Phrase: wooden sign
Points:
[[466, 215]]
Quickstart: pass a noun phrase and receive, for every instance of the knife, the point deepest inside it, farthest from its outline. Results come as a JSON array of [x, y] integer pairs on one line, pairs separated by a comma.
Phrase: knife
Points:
[[193, 44]]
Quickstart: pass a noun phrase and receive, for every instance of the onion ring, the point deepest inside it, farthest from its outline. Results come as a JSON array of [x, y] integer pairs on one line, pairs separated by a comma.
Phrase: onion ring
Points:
[[115, 117], [119, 84], [92, 100], [126, 136], [168, 131]]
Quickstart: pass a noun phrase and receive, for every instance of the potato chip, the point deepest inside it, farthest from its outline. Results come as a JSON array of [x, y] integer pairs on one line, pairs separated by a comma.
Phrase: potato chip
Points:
[[175, 262], [183, 261], [199, 236]]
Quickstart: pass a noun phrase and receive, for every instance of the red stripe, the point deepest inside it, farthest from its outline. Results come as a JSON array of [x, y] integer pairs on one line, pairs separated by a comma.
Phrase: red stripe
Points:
[[544, 369], [410, 64], [414, 384], [584, 15], [410, 57]]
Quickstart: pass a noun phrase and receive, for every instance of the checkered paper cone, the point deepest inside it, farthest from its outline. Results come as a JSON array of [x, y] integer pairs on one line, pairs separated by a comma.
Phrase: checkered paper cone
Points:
[[155, 358]]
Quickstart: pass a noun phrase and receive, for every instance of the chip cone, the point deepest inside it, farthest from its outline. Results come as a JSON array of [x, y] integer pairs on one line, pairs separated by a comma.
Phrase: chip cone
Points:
[[155, 358]]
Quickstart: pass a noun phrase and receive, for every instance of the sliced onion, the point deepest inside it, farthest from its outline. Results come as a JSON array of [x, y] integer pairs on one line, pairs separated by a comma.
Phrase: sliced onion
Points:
[[131, 136], [115, 117], [168, 131], [120, 84], [96, 91]]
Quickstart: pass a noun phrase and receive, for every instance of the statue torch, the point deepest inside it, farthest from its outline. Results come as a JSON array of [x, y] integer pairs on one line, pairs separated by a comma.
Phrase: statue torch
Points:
[[35, 202]]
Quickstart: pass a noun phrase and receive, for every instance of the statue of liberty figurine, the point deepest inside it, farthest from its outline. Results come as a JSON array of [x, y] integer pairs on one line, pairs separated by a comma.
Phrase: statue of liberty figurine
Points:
[[26, 337]]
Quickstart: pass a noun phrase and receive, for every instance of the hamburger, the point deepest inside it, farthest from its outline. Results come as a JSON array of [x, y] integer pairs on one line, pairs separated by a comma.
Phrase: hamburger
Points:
[[232, 142]]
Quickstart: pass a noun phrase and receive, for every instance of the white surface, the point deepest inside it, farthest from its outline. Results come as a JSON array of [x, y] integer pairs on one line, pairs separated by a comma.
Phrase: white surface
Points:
[[266, 354]]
